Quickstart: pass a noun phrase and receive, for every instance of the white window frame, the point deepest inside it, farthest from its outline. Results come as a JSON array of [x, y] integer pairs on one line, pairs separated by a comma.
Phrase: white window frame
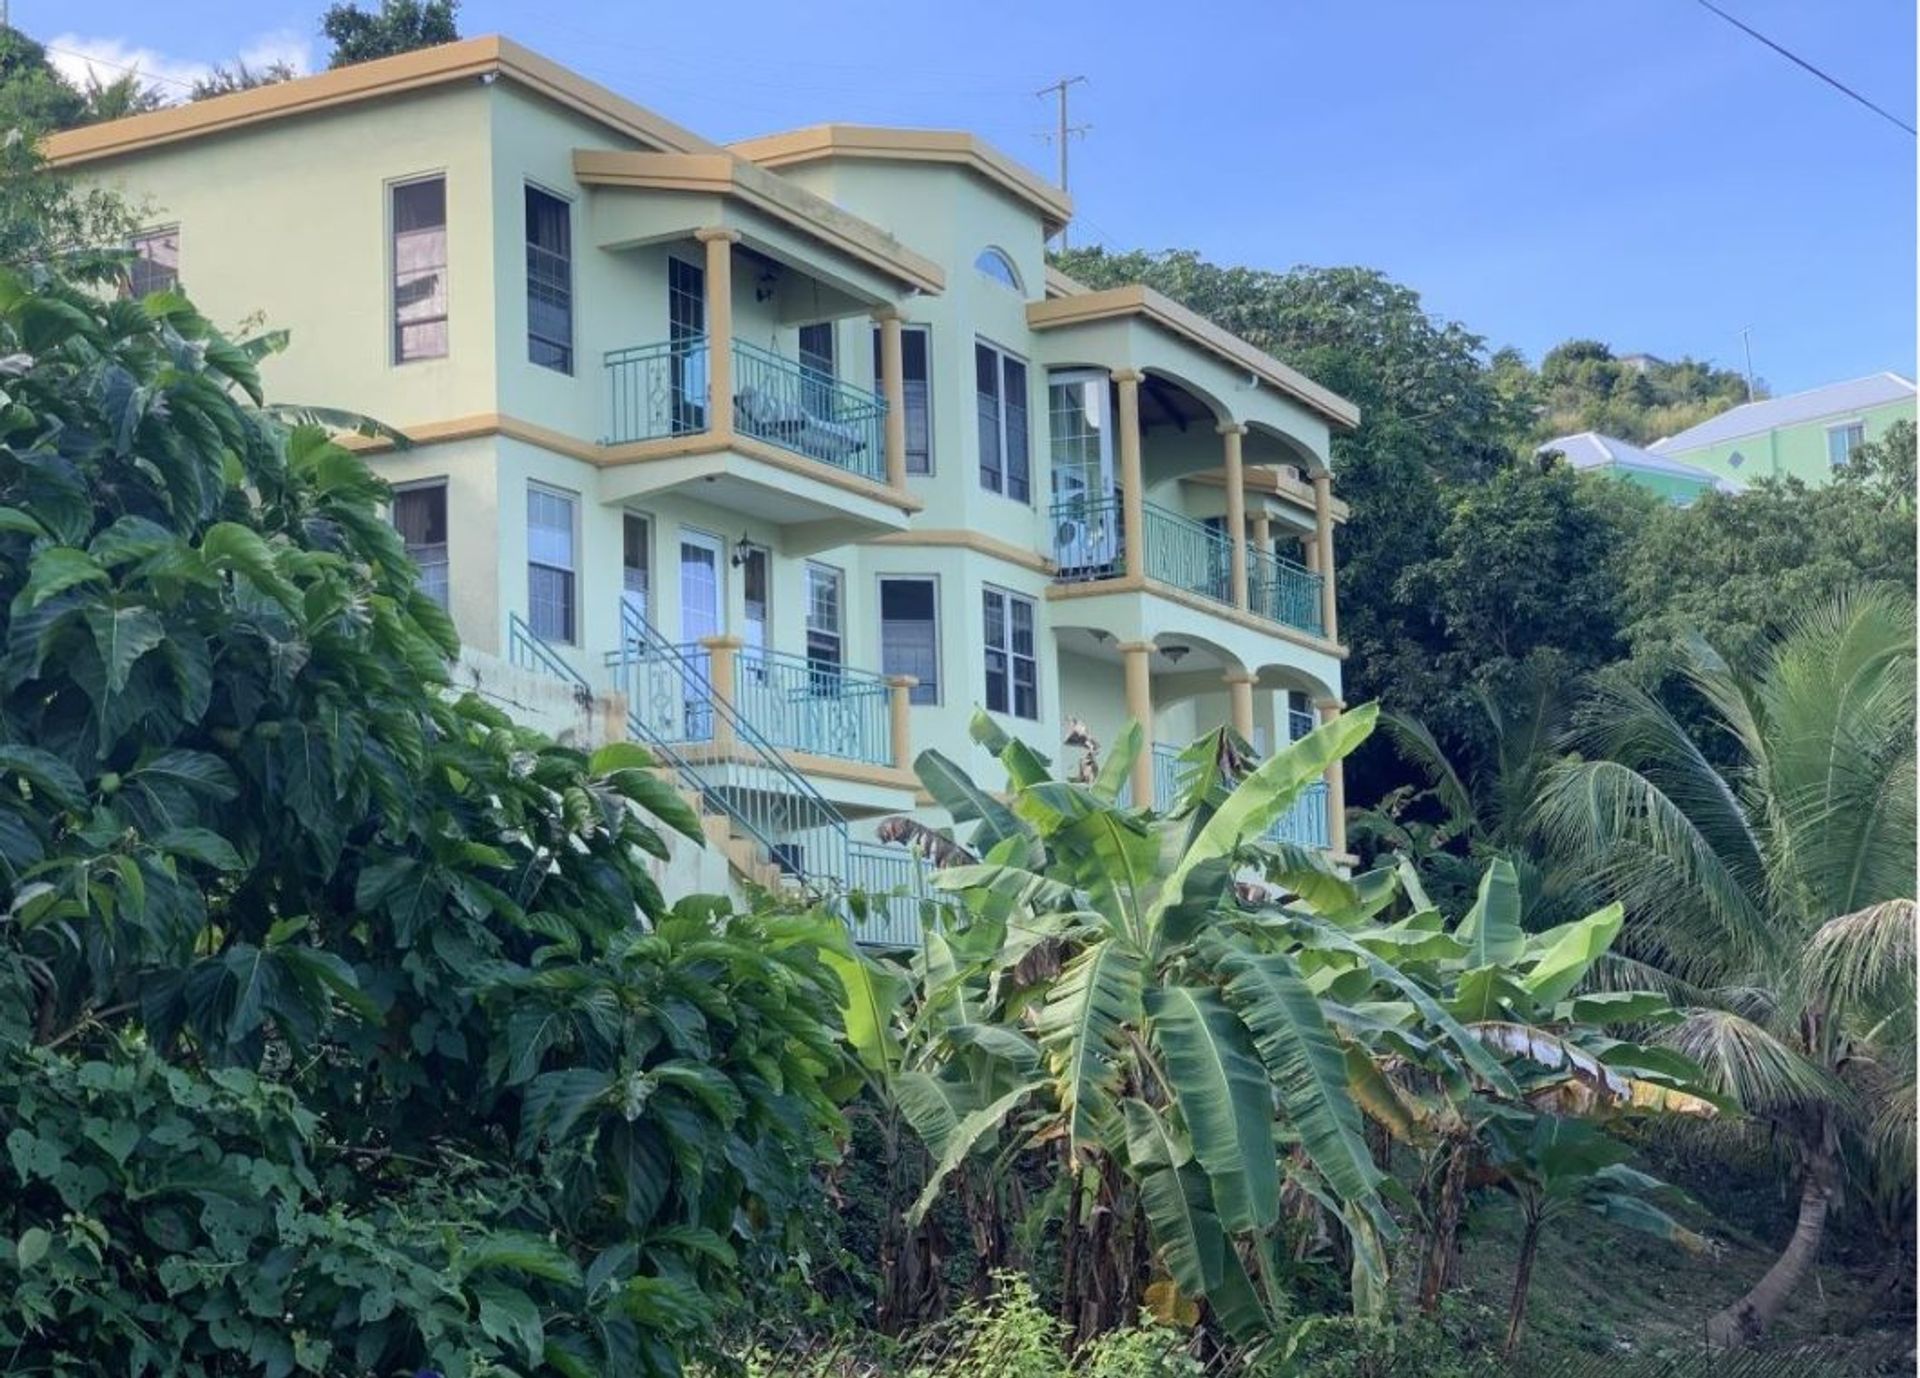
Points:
[[572, 499], [390, 190], [446, 512], [938, 687], [569, 345], [1008, 598], [651, 553], [147, 236], [879, 385], [1858, 423], [839, 633], [1002, 356]]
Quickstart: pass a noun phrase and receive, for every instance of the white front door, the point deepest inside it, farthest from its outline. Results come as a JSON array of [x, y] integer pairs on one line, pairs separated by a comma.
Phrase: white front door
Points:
[[702, 586]]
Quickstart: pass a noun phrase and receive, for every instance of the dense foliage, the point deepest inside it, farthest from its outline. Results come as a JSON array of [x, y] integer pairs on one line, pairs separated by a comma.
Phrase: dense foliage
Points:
[[398, 26], [1167, 1061], [1581, 386], [342, 1024]]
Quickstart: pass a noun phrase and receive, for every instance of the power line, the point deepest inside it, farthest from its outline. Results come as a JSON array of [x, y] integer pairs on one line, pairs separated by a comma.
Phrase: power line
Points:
[[1799, 61], [118, 66]]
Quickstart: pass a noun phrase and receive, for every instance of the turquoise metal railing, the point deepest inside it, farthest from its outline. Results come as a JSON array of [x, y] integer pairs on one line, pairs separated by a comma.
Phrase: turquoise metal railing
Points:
[[656, 390], [1168, 775], [1305, 822], [1188, 554], [672, 706], [1089, 544], [663, 389], [1283, 591], [806, 411], [814, 706], [527, 650]]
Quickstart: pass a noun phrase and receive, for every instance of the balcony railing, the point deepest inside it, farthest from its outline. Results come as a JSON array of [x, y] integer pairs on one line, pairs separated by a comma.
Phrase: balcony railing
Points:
[[1090, 544], [794, 703], [815, 706], [1283, 591], [664, 389]]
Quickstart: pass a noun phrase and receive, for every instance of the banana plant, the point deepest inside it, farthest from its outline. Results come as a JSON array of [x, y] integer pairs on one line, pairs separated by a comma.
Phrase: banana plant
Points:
[[1554, 1165], [1206, 1020]]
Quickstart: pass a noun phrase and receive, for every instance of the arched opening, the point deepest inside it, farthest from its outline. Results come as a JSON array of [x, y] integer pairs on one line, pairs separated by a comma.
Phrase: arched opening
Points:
[[995, 263]]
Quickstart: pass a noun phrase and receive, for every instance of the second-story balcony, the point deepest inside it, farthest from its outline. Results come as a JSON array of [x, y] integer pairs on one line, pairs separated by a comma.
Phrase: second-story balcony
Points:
[[659, 390], [1089, 546], [1306, 823]]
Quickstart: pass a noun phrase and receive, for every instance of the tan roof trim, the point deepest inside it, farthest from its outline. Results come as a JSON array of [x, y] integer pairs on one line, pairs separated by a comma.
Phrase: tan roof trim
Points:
[[723, 174], [820, 141], [472, 59], [1169, 315], [1060, 285]]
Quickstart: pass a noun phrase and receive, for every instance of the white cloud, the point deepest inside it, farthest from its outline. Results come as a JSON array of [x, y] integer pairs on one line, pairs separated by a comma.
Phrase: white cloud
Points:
[[79, 57]]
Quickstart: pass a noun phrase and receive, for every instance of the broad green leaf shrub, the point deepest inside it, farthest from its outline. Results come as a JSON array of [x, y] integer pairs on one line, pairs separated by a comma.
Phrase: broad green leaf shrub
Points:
[[342, 1026]]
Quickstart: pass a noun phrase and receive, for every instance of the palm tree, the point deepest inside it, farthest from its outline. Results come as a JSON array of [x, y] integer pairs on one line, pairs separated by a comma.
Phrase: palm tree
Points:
[[1769, 867]]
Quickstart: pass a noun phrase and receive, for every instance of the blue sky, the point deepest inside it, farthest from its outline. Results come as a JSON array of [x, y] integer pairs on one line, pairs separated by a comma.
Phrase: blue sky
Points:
[[1634, 170]]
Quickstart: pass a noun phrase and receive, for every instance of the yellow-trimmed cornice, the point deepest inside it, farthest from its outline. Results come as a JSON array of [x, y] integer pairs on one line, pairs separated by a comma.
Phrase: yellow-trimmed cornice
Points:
[[1060, 285], [719, 173], [821, 141], [471, 59], [1137, 300]]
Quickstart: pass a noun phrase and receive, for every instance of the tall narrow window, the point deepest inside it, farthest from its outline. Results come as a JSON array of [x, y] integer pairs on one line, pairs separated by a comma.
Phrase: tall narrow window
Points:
[[756, 590], [420, 516], [1013, 672], [636, 562], [420, 270], [549, 281], [1299, 715], [1842, 441], [826, 642], [910, 635], [551, 606], [1000, 382], [687, 344], [156, 262], [916, 362]]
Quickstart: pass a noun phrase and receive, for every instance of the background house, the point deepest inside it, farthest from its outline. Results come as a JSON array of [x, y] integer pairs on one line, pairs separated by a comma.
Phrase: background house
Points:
[[1804, 435]]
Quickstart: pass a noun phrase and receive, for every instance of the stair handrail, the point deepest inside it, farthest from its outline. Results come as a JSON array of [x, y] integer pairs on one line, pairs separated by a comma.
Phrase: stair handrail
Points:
[[638, 635]]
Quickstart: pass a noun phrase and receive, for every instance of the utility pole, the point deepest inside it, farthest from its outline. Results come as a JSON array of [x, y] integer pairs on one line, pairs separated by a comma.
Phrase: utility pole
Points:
[[1066, 132], [1747, 342]]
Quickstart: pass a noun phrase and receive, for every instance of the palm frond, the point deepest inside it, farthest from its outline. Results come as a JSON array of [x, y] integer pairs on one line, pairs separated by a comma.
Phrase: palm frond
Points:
[[1419, 748], [1745, 1061], [1861, 963]]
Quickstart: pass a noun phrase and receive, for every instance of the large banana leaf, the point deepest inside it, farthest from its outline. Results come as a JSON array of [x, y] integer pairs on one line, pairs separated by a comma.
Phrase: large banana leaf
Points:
[[1314, 932], [1491, 929], [1225, 1100], [1270, 791], [869, 1000], [1083, 1027], [1306, 1064], [965, 1138], [1179, 1209], [1576, 947], [953, 790]]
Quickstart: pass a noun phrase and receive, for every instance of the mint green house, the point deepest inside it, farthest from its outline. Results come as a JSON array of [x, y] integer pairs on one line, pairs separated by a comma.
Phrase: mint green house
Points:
[[1804, 435], [783, 458], [1675, 480]]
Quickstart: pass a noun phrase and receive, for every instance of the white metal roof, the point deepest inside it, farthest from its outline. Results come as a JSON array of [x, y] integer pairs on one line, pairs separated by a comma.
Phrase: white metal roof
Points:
[[1756, 418], [1591, 450]]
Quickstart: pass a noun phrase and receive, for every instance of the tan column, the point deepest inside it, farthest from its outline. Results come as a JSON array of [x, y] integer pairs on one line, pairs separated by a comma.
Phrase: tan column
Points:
[[1258, 591], [1262, 533], [1133, 495], [1310, 552], [1336, 784], [1236, 516], [1140, 708], [719, 244], [900, 719], [1323, 541], [893, 387], [1240, 701], [723, 655]]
